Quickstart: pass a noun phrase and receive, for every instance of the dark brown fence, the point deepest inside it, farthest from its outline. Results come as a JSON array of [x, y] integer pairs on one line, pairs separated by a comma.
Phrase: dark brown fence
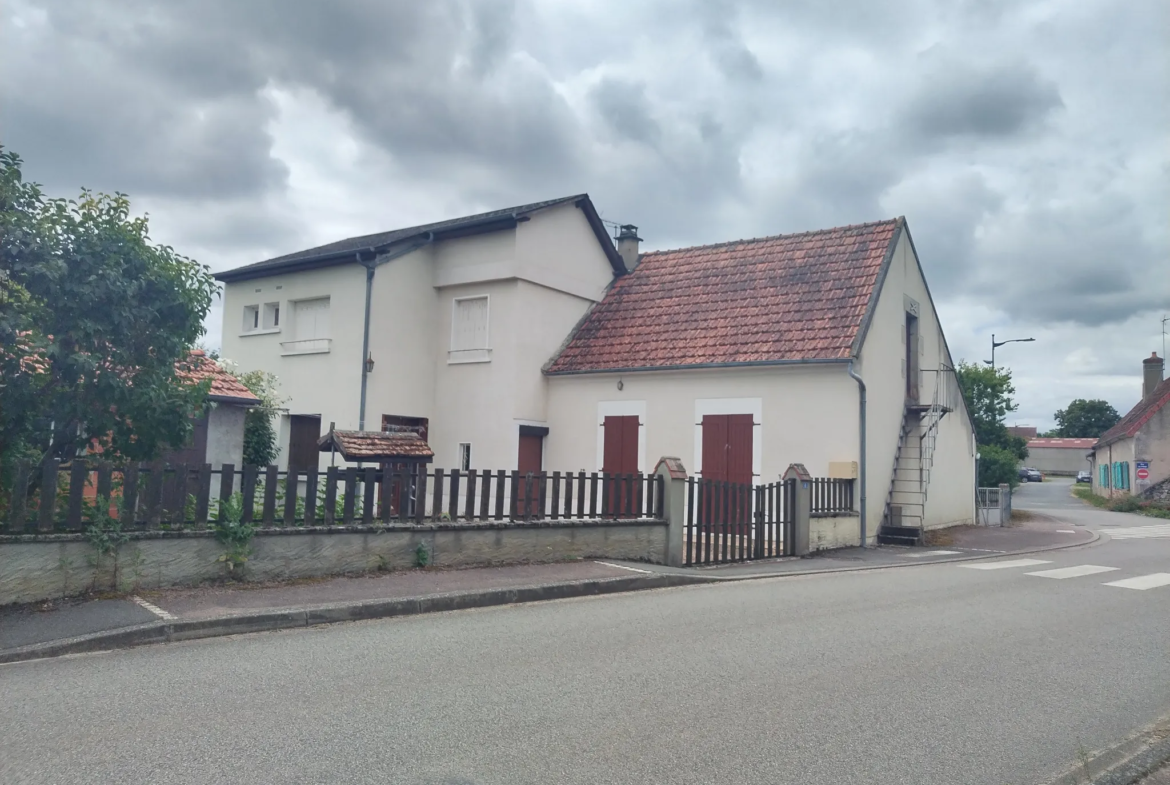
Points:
[[831, 495], [155, 496], [729, 522]]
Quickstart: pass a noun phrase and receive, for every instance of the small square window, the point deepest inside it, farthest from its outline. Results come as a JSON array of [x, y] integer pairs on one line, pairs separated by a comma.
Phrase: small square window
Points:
[[251, 318], [465, 456], [271, 316]]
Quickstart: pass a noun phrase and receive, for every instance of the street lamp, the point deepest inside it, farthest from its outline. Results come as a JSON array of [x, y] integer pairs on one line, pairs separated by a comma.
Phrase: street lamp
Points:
[[995, 343]]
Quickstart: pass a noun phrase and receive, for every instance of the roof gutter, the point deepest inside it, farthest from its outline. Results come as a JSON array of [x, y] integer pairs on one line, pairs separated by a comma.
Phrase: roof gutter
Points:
[[861, 438], [372, 264], [747, 364]]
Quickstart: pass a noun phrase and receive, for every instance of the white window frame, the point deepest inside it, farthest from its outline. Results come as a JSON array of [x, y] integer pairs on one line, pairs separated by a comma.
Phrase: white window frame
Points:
[[256, 310], [621, 409], [752, 406], [475, 355], [307, 345], [270, 312], [464, 456]]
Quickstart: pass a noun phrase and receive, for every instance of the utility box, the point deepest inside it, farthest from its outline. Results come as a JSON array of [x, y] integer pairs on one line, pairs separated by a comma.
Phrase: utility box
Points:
[[843, 470]]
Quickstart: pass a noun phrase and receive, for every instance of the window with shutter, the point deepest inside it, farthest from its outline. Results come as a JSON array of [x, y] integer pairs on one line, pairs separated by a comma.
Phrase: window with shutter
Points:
[[469, 330], [310, 327]]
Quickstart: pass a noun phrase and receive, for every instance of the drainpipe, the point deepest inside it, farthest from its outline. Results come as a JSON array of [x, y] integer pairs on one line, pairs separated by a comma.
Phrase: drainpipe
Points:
[[861, 438], [372, 264]]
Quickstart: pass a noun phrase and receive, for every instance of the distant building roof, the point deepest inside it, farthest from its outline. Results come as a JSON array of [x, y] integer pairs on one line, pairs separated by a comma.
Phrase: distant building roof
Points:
[[1023, 431], [1056, 444], [793, 297], [345, 251], [1139, 415], [377, 446], [225, 388]]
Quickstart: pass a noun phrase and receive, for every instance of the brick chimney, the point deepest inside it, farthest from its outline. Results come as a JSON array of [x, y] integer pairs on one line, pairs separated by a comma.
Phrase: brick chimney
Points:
[[627, 245], [1152, 368]]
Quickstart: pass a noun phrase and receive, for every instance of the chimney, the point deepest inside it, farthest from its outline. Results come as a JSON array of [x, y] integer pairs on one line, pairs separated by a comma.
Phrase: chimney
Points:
[[627, 245], [1151, 374]]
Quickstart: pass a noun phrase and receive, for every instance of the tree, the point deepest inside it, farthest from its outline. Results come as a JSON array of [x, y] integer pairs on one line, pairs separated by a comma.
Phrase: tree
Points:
[[997, 465], [1086, 419], [94, 319], [988, 393]]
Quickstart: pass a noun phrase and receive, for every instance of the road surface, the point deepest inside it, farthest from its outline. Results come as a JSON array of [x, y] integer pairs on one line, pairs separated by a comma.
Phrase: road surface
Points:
[[931, 674]]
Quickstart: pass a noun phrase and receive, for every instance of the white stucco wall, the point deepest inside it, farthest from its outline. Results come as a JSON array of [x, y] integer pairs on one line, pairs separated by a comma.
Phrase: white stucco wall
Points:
[[808, 414], [225, 435], [950, 494], [1058, 460]]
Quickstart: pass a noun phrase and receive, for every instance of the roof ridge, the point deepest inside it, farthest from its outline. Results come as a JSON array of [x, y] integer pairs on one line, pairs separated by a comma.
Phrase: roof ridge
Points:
[[743, 240]]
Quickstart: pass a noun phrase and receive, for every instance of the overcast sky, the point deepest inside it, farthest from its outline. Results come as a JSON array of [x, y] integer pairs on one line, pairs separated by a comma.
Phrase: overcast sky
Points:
[[1026, 142]]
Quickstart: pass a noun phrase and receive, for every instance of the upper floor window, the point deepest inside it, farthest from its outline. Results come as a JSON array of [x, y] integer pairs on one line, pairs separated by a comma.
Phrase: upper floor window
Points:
[[469, 330], [310, 327], [271, 316], [261, 318], [251, 318]]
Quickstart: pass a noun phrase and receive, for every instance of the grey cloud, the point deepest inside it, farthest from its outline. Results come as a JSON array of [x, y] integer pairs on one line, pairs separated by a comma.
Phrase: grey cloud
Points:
[[1000, 101], [729, 51], [622, 105]]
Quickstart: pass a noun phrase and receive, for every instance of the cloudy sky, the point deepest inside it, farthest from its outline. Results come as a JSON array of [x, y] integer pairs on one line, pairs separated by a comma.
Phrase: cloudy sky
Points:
[[1025, 141]]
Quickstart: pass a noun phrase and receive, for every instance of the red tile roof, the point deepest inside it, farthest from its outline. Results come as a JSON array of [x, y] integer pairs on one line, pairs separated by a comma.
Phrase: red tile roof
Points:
[[1061, 443], [1138, 416], [790, 297], [376, 445], [225, 388]]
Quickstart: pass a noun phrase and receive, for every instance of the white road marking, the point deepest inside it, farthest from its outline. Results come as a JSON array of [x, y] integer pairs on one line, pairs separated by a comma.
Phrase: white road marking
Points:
[[930, 553], [157, 611], [1143, 582], [1157, 531], [624, 567], [1071, 572], [1004, 565], [1066, 531]]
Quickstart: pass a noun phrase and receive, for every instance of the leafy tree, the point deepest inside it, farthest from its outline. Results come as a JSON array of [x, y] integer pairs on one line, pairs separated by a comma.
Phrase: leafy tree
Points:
[[997, 465], [94, 318], [988, 392], [1086, 419]]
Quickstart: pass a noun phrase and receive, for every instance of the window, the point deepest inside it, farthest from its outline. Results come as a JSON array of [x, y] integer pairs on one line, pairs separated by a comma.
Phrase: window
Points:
[[465, 456], [251, 318], [469, 330], [271, 316], [310, 327]]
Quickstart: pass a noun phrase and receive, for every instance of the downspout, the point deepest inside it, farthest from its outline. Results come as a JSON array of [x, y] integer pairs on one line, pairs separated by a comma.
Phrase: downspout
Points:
[[861, 439], [371, 265]]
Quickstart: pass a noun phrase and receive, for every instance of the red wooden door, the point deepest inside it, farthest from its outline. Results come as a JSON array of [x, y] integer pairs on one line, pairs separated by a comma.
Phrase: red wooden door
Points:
[[530, 461], [620, 457], [739, 448]]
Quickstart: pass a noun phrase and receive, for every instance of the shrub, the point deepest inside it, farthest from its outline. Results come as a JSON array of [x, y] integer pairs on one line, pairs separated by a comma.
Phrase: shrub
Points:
[[996, 466]]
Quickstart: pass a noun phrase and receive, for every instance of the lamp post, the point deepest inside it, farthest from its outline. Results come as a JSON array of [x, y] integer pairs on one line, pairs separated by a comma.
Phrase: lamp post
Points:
[[995, 343]]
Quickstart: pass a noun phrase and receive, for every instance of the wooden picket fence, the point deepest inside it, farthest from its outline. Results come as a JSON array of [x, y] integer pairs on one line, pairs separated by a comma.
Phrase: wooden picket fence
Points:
[[155, 496]]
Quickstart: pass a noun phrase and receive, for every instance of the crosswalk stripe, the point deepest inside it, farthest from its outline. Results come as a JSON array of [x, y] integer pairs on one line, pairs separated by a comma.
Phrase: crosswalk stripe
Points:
[[930, 553], [1156, 531], [1143, 582], [1004, 565], [1071, 572]]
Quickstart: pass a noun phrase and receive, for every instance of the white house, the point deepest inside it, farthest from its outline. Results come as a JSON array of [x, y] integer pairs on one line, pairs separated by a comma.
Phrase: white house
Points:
[[524, 339], [1133, 457]]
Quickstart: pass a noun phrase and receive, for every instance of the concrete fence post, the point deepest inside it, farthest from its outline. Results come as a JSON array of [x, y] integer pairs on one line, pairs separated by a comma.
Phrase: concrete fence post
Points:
[[1005, 504], [674, 500], [802, 507]]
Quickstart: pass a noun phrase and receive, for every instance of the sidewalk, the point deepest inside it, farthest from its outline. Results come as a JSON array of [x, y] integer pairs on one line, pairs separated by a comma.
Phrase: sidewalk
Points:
[[89, 624]]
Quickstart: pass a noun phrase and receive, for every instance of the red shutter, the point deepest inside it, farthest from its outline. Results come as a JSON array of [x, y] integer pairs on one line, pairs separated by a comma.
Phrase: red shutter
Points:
[[620, 448], [715, 447], [739, 448]]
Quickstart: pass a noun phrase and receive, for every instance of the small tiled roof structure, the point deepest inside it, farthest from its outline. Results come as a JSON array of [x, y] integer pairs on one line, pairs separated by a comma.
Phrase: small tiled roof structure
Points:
[[1061, 443], [1131, 423], [796, 297], [345, 251], [225, 388], [398, 446], [1023, 431]]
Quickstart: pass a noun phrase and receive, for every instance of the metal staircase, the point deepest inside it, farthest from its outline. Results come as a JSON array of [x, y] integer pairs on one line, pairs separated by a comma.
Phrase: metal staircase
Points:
[[905, 510]]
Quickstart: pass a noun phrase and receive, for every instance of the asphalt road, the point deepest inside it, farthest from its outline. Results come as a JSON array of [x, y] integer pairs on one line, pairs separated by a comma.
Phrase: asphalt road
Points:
[[929, 674]]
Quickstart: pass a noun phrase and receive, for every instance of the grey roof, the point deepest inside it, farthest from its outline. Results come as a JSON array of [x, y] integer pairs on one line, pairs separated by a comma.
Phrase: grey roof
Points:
[[345, 251]]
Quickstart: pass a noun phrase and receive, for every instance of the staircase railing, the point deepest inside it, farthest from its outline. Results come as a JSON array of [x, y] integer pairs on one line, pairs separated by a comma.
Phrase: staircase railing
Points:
[[905, 431], [930, 436]]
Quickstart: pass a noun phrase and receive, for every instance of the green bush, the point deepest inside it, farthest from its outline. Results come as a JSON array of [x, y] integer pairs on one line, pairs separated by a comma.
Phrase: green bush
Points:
[[1125, 504], [996, 466]]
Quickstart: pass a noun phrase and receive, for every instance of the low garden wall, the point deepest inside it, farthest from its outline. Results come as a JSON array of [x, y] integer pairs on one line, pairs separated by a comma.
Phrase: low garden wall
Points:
[[833, 531], [38, 567]]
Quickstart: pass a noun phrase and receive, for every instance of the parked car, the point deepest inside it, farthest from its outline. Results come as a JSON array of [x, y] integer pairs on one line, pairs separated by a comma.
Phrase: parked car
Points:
[[1034, 475], [1083, 476], [1023, 475]]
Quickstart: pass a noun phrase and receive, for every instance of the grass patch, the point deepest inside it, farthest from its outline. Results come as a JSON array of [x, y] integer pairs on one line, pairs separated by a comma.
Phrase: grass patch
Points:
[[1121, 503]]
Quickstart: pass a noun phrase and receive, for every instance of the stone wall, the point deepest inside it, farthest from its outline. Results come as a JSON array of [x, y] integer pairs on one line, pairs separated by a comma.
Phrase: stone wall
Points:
[[834, 531], [34, 568]]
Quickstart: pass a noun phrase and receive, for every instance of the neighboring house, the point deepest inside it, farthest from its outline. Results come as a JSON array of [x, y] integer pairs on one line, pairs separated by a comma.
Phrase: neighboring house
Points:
[[746, 356], [217, 437], [739, 358], [442, 328], [1059, 456], [1139, 443], [1023, 431]]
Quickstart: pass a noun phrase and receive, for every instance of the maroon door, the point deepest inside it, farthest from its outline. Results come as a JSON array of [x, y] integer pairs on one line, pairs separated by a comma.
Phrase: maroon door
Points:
[[529, 461], [727, 447], [619, 456]]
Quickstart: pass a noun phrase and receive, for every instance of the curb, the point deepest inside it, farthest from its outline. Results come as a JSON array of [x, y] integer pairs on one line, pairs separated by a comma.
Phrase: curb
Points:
[[1126, 763], [313, 615]]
